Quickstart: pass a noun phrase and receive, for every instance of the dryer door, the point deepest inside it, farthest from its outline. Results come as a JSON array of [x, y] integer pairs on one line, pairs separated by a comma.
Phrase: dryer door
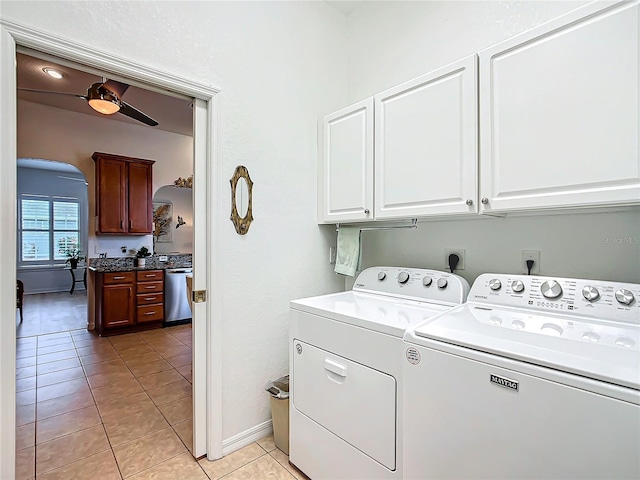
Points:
[[354, 402]]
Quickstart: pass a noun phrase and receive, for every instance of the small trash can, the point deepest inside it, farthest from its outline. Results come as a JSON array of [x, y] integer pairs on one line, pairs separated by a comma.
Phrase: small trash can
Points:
[[279, 390]]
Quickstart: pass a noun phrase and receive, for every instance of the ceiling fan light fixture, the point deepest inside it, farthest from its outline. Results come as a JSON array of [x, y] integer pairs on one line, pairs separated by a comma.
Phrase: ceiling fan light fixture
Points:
[[53, 73], [102, 100]]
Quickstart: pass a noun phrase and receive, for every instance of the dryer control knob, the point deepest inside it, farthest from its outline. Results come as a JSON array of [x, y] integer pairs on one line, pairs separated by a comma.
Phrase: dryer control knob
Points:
[[551, 289], [495, 284], [403, 277], [382, 276], [426, 281], [625, 297], [590, 293], [518, 286], [442, 283]]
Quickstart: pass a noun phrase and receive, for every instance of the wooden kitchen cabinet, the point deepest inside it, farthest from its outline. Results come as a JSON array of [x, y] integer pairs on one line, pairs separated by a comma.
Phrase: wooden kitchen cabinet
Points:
[[559, 113], [128, 301], [123, 194]]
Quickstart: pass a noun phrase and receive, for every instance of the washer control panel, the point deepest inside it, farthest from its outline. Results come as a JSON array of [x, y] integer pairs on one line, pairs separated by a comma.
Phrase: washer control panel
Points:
[[593, 298], [414, 284]]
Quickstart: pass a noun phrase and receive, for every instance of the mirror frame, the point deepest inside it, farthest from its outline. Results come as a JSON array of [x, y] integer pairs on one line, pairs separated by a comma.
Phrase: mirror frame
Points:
[[241, 224]]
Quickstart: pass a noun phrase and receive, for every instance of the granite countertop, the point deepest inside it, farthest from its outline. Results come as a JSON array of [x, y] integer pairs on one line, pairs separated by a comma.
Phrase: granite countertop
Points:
[[128, 264], [133, 268]]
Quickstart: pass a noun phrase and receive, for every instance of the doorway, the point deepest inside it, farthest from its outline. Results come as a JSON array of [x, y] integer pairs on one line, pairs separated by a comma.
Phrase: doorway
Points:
[[207, 371]]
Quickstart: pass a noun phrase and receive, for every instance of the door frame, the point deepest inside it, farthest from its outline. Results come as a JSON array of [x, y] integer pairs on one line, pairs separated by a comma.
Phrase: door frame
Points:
[[207, 316]]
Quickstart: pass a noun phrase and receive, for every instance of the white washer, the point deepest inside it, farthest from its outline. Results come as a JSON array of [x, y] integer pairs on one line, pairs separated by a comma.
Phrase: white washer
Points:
[[534, 377], [346, 355]]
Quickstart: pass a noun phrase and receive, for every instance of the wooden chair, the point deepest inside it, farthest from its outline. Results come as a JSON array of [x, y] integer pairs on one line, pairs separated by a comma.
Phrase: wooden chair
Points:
[[19, 296]]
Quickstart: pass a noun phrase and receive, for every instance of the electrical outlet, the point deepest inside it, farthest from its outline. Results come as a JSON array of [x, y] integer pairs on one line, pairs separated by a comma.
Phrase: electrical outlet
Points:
[[461, 254], [332, 255], [162, 258], [531, 255]]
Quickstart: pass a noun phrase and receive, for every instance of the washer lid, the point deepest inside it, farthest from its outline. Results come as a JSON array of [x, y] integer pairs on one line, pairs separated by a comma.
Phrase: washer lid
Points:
[[374, 312], [607, 351]]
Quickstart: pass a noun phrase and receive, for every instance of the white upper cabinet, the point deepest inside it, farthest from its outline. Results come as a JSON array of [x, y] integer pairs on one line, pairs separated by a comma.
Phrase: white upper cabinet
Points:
[[559, 113], [345, 172], [426, 153]]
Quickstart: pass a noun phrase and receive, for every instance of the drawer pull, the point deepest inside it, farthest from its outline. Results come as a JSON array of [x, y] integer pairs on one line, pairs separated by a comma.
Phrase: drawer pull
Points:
[[150, 298], [152, 287], [150, 313], [151, 275], [119, 278], [335, 367]]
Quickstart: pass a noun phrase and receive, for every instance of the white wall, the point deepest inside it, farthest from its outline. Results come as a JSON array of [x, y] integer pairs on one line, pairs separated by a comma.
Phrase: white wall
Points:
[[71, 137], [391, 42], [279, 65]]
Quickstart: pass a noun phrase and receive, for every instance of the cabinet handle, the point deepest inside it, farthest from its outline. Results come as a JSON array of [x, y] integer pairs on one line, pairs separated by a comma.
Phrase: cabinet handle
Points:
[[118, 278], [150, 298], [150, 288], [485, 200], [129, 224], [121, 224], [469, 202], [152, 275], [150, 313], [366, 211]]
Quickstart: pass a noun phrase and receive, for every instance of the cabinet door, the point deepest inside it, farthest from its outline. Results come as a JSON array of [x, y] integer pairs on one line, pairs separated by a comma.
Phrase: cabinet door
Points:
[[118, 305], [426, 154], [345, 176], [111, 196], [559, 113], [139, 204]]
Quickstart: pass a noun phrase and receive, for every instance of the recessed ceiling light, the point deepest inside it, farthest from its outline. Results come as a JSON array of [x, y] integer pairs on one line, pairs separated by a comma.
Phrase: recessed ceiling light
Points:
[[52, 73]]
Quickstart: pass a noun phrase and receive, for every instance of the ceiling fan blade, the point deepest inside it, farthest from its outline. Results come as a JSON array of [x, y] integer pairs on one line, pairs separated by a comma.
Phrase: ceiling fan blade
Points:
[[136, 114], [116, 87], [33, 90]]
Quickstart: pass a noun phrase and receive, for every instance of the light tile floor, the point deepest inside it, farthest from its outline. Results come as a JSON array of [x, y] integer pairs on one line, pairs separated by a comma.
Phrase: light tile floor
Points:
[[91, 407]]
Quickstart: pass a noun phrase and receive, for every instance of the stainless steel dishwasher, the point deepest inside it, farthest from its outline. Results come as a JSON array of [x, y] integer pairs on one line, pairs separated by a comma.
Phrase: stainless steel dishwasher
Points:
[[175, 296]]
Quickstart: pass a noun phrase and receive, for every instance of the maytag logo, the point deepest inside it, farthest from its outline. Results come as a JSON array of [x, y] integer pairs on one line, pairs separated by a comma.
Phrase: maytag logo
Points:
[[504, 382]]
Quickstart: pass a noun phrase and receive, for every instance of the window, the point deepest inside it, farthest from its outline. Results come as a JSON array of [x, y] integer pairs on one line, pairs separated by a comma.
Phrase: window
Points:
[[49, 226]]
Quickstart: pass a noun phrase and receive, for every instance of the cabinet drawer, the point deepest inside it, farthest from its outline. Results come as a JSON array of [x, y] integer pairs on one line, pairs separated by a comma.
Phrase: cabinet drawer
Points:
[[150, 313], [150, 287], [150, 298], [149, 275], [118, 277]]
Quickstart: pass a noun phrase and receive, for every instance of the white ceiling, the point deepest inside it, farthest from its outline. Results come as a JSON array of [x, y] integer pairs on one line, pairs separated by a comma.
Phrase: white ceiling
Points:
[[48, 165], [173, 114], [346, 6]]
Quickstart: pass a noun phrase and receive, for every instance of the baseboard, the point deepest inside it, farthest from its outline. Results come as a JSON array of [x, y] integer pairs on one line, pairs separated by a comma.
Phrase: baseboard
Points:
[[247, 437]]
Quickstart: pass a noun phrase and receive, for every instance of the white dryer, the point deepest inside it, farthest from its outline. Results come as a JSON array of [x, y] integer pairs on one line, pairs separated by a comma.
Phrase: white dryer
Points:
[[346, 355], [534, 377]]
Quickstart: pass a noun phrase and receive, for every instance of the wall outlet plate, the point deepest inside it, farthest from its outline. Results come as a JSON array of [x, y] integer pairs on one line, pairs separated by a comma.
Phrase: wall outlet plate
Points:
[[461, 252], [531, 255], [163, 258]]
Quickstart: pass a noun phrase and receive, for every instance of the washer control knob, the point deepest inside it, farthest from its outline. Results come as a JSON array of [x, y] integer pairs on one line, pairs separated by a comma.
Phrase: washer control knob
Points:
[[495, 284], [426, 281], [551, 289], [403, 277], [517, 286], [382, 276], [625, 297], [590, 293], [442, 283]]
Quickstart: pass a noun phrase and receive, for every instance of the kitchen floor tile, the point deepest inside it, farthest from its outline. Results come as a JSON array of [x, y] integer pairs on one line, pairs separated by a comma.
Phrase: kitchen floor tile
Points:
[[264, 467], [178, 411], [27, 383], [25, 414], [158, 379], [142, 358], [133, 349], [62, 389], [185, 371], [283, 459], [26, 397], [140, 370], [173, 351], [147, 451], [101, 465], [103, 379], [219, 468], [67, 423], [125, 388], [130, 427], [124, 406], [98, 358], [95, 349], [70, 448], [170, 393], [267, 443], [60, 405], [58, 365], [54, 357], [185, 432], [183, 467], [26, 464], [105, 367], [61, 347], [25, 436], [180, 360], [60, 376]]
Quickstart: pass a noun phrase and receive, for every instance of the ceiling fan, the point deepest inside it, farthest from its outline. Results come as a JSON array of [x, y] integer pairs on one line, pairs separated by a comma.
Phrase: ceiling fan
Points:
[[105, 97]]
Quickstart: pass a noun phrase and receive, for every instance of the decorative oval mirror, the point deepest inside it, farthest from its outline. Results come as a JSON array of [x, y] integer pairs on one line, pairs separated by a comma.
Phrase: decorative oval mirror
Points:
[[241, 200]]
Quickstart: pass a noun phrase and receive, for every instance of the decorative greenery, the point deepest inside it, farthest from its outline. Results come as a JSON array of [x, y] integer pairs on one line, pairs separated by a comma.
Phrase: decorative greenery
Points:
[[184, 182], [73, 255], [143, 252], [161, 221]]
